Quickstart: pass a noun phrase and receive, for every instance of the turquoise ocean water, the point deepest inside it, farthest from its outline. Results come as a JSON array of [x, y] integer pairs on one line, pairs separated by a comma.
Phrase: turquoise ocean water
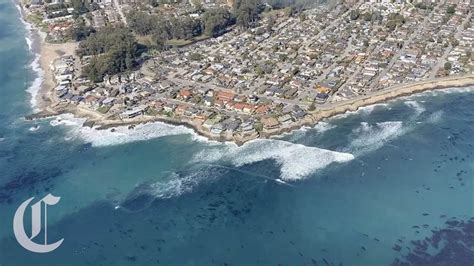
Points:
[[389, 184]]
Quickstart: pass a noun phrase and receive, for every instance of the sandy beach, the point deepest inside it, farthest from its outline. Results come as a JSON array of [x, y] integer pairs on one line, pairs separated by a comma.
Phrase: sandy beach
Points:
[[48, 53]]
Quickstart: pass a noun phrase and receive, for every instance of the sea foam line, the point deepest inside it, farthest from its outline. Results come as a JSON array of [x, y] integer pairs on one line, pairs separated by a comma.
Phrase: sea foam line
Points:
[[296, 161], [35, 85], [120, 135]]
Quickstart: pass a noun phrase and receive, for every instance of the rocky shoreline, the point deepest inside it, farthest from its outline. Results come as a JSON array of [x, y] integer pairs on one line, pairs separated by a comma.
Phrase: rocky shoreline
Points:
[[99, 122]]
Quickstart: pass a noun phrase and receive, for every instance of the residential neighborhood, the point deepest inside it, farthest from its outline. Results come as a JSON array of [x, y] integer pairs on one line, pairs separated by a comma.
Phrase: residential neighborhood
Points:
[[247, 83]]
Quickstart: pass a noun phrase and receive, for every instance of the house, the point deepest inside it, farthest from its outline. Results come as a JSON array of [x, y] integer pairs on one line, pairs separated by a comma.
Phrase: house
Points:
[[184, 94], [181, 109], [208, 101], [91, 100], [128, 114], [217, 129], [321, 97], [225, 96], [285, 119], [270, 123], [108, 101]]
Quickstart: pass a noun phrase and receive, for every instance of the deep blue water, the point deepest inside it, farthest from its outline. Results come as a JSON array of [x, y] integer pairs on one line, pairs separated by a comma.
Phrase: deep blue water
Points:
[[400, 188]]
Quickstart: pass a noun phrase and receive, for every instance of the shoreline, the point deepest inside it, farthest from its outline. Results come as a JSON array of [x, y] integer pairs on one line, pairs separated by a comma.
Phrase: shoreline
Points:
[[33, 40], [313, 118], [44, 104]]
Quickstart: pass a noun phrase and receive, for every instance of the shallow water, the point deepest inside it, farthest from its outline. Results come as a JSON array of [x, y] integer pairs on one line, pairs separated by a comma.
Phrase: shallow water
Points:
[[355, 190]]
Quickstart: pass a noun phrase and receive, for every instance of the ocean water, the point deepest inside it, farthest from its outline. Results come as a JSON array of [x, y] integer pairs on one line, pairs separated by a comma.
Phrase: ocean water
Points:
[[391, 184]]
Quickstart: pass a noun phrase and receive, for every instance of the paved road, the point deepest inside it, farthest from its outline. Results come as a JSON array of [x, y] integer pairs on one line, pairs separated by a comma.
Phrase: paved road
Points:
[[332, 24], [401, 51], [442, 60], [120, 11]]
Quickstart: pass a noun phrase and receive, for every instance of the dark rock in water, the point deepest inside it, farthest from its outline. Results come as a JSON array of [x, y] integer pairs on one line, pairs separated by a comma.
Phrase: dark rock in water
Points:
[[426, 214], [29, 180], [363, 248], [112, 130], [315, 262], [88, 123], [453, 245]]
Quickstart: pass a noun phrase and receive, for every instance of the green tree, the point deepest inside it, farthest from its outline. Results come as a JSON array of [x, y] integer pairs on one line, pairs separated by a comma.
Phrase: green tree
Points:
[[451, 9], [215, 21], [246, 12], [113, 50], [447, 66]]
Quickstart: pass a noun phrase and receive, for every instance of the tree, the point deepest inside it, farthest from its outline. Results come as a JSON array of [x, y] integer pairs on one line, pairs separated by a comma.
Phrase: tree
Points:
[[246, 12], [354, 14], [270, 23], [80, 31], [215, 21], [447, 66], [113, 50], [195, 57], [451, 9]]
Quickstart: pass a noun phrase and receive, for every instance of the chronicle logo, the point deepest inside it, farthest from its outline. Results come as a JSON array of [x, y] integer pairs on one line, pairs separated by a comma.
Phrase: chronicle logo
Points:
[[36, 218]]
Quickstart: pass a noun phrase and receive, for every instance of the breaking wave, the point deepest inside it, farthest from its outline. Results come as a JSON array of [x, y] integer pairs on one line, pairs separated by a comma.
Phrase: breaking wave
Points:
[[370, 137], [370, 108], [298, 134], [173, 185], [35, 85], [419, 109], [120, 135], [296, 161]]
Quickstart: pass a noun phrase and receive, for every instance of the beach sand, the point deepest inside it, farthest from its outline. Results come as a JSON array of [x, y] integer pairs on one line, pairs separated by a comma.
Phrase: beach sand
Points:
[[48, 53]]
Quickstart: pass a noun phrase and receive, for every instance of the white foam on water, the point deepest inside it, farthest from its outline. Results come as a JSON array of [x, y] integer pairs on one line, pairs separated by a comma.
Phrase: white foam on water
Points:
[[29, 42], [298, 134], [296, 161], [365, 110], [322, 127], [35, 128], [457, 90], [435, 117], [120, 135], [369, 137], [176, 186], [419, 109], [452, 90], [370, 108], [35, 85]]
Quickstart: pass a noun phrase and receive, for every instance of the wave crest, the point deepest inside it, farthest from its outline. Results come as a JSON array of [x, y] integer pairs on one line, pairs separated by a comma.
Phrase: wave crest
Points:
[[120, 135], [370, 137], [296, 161]]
